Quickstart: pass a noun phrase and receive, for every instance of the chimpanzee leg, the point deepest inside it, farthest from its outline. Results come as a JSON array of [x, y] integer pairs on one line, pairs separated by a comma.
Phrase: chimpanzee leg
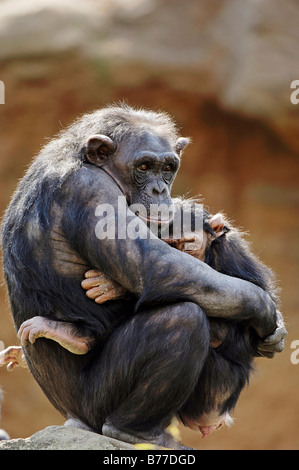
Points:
[[150, 365]]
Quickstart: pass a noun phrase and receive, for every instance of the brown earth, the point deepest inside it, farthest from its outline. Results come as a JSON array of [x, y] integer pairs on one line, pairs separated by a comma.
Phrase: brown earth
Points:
[[238, 164]]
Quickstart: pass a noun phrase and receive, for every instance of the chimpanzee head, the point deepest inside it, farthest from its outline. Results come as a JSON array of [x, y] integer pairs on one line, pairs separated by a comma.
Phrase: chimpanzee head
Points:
[[141, 151]]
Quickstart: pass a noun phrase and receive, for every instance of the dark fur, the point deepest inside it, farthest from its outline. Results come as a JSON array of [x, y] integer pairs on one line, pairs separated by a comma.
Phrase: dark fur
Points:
[[228, 367], [60, 183], [146, 369]]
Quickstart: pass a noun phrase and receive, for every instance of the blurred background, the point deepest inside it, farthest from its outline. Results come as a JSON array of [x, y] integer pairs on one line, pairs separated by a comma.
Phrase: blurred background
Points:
[[223, 69]]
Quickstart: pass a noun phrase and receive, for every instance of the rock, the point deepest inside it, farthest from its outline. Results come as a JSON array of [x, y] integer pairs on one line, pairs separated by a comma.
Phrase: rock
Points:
[[65, 438], [243, 53]]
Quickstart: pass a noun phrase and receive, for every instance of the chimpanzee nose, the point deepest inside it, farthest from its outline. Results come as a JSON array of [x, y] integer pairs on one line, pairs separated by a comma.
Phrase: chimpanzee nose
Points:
[[157, 189]]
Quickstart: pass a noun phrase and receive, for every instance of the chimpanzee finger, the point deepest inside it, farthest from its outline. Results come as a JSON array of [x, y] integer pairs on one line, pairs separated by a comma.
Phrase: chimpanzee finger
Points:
[[24, 325], [30, 330], [26, 334], [24, 337], [278, 335], [6, 359], [92, 273], [10, 354], [95, 292], [11, 366], [104, 298], [20, 332], [111, 295], [93, 282], [278, 347], [269, 355]]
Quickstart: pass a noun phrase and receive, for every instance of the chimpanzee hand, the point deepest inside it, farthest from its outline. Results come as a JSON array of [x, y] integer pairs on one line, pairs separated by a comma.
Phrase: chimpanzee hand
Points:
[[12, 357], [101, 288], [274, 343]]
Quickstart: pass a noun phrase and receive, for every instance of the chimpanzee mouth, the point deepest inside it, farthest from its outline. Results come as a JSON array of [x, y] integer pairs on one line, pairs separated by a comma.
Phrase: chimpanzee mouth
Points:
[[160, 220]]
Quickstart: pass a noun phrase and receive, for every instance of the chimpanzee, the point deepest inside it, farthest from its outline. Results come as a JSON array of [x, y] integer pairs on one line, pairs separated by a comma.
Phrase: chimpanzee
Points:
[[148, 367], [233, 345]]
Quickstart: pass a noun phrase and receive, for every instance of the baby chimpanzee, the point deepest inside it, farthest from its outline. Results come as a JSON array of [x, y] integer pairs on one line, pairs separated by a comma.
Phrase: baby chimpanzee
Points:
[[233, 344]]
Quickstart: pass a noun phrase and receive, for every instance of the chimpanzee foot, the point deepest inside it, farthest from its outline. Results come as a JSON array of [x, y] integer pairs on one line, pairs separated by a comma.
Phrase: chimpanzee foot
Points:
[[161, 439], [76, 423]]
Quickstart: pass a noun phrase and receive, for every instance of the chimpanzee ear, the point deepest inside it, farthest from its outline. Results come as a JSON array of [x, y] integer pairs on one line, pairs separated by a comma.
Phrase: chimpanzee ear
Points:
[[98, 148], [217, 224], [181, 144]]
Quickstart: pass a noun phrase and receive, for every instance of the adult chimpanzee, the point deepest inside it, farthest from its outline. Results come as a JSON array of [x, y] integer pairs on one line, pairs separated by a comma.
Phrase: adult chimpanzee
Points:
[[233, 345], [149, 366]]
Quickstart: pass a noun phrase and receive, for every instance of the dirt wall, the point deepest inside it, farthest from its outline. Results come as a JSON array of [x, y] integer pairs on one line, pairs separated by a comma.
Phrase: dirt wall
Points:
[[240, 162]]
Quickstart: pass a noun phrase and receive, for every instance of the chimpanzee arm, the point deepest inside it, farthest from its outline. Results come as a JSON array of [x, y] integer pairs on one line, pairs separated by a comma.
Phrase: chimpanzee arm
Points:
[[101, 288], [149, 268]]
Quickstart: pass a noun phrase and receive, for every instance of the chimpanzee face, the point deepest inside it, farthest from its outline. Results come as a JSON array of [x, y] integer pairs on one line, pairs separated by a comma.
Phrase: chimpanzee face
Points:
[[144, 167]]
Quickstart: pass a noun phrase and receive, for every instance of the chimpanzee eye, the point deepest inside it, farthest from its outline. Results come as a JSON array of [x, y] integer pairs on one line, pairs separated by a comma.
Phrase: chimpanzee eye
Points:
[[167, 168], [143, 167]]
